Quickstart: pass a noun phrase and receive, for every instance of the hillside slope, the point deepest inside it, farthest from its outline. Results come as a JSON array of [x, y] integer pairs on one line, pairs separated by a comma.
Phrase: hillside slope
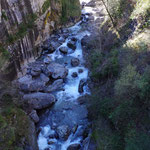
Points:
[[120, 71]]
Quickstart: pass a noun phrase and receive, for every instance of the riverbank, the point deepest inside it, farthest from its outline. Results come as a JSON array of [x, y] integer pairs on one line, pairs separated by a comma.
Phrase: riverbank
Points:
[[118, 59]]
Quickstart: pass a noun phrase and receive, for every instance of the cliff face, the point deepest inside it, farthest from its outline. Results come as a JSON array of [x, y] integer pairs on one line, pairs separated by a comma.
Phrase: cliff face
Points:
[[25, 24]]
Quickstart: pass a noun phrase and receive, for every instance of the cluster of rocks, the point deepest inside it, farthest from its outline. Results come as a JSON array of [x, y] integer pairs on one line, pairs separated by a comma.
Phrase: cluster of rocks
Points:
[[44, 77], [37, 85], [55, 42], [63, 132]]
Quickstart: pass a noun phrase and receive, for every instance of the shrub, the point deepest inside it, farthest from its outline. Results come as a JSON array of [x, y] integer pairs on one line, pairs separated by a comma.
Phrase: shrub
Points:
[[104, 66], [70, 10], [137, 140], [127, 86], [100, 107], [144, 86]]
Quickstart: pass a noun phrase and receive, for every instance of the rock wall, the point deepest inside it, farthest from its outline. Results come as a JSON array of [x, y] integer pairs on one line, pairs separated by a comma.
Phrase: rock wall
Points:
[[24, 25]]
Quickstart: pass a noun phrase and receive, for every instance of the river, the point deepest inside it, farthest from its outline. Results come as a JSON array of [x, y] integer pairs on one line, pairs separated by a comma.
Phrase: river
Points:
[[65, 126]]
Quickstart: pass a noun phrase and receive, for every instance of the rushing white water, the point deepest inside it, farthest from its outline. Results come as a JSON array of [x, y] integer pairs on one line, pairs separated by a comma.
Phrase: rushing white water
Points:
[[84, 1], [71, 111]]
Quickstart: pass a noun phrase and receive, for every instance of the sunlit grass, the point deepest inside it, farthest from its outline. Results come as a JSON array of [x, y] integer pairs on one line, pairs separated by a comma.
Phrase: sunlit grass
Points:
[[137, 40], [141, 7]]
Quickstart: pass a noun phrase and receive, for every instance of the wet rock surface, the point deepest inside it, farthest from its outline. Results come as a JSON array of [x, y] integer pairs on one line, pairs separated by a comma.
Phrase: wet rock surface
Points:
[[64, 50], [81, 85], [39, 100], [74, 74], [74, 147], [75, 62], [63, 132], [56, 85], [57, 71], [72, 45]]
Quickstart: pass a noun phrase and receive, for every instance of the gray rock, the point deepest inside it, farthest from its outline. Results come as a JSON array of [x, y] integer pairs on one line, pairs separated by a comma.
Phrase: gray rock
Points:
[[80, 70], [64, 50], [39, 100], [74, 147], [83, 99], [57, 71], [74, 75], [24, 79], [63, 132], [81, 85], [34, 116], [75, 62], [44, 78], [51, 141], [27, 84], [51, 50], [51, 47], [53, 135], [61, 39], [47, 60], [79, 133], [57, 85], [72, 45], [35, 68], [54, 45], [35, 71]]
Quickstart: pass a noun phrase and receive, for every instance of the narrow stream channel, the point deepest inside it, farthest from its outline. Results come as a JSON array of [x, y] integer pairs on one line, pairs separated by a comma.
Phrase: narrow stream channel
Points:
[[65, 126]]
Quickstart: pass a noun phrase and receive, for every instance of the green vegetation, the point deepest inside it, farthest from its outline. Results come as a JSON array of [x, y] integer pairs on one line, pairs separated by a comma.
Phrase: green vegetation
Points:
[[45, 6], [23, 29], [70, 10], [4, 52], [120, 101], [126, 110], [13, 135], [4, 16], [104, 66]]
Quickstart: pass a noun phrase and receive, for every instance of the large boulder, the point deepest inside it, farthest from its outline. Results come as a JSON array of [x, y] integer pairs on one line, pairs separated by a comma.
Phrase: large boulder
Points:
[[57, 85], [27, 84], [51, 46], [75, 62], [39, 100], [56, 71]]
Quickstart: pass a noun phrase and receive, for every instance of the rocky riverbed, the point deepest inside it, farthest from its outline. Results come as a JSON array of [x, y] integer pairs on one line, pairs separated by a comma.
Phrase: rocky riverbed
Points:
[[57, 81]]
